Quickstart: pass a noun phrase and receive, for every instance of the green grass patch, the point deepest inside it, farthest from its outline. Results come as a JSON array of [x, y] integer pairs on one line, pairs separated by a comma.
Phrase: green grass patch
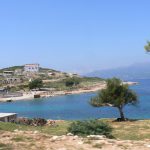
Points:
[[18, 139], [60, 129], [130, 130], [83, 82], [5, 146]]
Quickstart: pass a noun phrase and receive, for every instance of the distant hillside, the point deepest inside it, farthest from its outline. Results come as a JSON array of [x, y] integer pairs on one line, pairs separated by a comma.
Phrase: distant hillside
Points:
[[47, 69], [13, 68], [52, 80], [136, 71]]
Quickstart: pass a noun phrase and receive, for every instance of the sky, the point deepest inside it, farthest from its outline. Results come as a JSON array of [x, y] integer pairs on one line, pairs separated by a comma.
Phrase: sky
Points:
[[74, 35]]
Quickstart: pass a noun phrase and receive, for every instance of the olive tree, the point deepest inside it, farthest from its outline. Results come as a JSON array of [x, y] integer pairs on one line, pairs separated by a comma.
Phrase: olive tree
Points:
[[116, 95], [147, 47]]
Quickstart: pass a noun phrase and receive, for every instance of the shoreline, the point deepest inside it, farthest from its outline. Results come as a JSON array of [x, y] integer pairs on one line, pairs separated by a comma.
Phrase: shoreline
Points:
[[44, 94]]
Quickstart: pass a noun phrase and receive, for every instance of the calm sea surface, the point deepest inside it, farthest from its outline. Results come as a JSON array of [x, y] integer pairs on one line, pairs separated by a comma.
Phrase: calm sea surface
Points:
[[76, 107]]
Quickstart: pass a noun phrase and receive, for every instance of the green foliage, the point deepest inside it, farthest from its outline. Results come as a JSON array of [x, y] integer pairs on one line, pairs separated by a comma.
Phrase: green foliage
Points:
[[147, 47], [17, 87], [18, 138], [58, 85], [116, 94], [47, 69], [60, 129], [37, 83], [83, 82], [74, 81], [91, 127], [92, 79]]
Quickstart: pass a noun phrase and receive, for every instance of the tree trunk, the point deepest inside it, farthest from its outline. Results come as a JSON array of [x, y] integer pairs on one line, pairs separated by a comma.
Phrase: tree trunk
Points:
[[121, 113]]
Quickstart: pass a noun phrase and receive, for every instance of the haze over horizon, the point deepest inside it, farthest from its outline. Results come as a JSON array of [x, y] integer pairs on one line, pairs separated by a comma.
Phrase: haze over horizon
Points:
[[74, 36]]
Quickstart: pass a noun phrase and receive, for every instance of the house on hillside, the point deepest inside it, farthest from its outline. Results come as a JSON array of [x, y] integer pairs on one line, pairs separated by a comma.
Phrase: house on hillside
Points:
[[31, 68], [2, 90], [18, 72], [8, 73], [12, 80]]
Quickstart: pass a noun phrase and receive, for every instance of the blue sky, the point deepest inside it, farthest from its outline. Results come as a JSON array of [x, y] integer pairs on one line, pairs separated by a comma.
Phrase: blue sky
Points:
[[74, 35]]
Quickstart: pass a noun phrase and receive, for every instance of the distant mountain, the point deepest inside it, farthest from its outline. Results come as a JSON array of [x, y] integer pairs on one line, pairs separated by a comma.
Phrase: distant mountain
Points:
[[136, 71]]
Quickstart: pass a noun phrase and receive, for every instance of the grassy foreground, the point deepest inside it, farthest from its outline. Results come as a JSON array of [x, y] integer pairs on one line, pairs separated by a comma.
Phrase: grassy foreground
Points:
[[131, 130]]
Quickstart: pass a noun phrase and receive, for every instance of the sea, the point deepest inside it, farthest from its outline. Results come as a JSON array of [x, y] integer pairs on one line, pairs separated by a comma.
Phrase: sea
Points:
[[77, 107]]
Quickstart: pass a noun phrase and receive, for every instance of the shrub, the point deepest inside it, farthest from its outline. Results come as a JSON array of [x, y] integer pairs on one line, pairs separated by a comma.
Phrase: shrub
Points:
[[37, 83], [72, 81], [91, 127]]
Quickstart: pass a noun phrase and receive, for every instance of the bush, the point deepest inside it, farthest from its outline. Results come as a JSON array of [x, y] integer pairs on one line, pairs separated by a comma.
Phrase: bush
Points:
[[37, 83], [74, 81], [91, 127]]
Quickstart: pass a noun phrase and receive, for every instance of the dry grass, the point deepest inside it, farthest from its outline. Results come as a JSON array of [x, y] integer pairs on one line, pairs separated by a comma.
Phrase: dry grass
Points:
[[130, 130]]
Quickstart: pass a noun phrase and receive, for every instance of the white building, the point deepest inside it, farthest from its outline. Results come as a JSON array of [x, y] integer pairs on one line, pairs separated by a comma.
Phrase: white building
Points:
[[33, 68]]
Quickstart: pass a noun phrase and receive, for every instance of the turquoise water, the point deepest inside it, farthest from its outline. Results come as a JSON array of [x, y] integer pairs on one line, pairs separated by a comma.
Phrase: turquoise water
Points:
[[76, 107]]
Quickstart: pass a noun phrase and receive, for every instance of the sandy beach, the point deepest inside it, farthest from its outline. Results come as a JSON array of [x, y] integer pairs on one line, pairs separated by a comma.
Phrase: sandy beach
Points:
[[43, 94]]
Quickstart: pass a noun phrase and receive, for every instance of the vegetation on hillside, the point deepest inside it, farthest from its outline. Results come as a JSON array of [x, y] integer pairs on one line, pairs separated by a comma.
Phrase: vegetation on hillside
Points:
[[51, 78], [70, 82], [36, 84], [13, 68], [84, 82]]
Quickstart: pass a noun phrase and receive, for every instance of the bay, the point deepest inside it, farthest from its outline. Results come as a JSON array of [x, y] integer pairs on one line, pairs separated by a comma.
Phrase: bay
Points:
[[77, 107]]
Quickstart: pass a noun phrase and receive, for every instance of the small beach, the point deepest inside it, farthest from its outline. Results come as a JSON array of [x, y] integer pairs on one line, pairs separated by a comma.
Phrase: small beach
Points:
[[44, 94]]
